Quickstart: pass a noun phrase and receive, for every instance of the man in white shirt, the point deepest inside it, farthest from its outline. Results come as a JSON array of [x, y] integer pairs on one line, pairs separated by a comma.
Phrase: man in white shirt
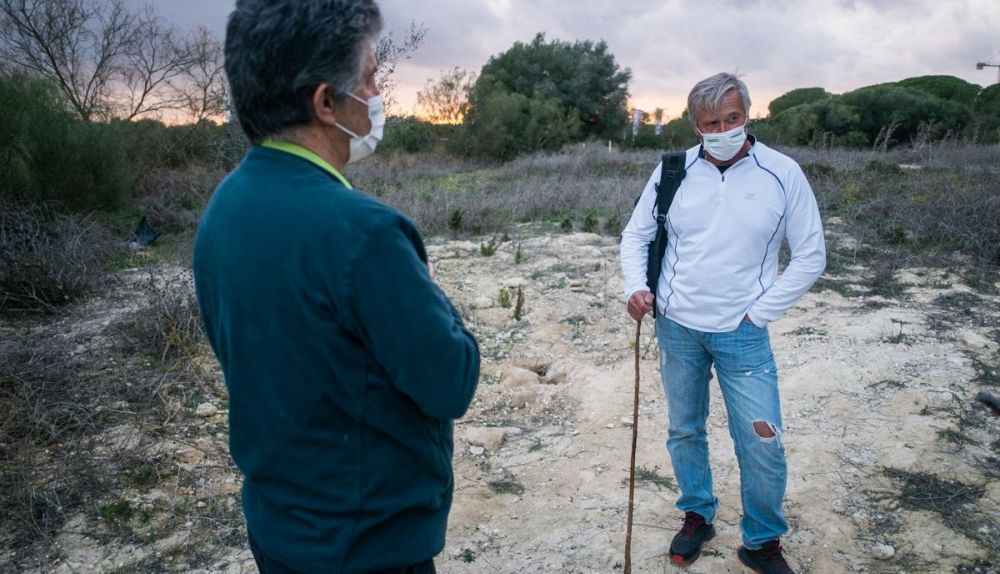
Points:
[[717, 291]]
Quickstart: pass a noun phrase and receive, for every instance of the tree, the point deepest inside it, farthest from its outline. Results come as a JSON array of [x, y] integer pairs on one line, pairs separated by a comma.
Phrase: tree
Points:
[[795, 98], [505, 124], [447, 100], [905, 112], [582, 77], [108, 61], [388, 53], [945, 87]]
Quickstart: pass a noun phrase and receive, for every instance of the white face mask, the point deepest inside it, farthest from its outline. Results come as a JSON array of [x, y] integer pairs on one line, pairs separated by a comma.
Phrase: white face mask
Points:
[[364, 146], [726, 145]]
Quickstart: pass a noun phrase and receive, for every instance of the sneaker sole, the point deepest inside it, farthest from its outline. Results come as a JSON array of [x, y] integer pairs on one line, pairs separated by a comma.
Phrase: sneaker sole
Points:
[[679, 560]]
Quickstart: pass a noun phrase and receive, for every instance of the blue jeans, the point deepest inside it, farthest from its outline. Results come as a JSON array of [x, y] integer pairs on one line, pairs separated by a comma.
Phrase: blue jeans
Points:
[[748, 378]]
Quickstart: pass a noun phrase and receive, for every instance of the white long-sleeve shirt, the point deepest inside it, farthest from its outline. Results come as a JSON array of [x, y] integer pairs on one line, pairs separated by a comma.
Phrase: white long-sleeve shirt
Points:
[[724, 231]]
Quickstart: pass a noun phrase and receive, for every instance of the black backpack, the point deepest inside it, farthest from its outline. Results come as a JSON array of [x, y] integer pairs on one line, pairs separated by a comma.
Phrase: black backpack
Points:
[[671, 175]]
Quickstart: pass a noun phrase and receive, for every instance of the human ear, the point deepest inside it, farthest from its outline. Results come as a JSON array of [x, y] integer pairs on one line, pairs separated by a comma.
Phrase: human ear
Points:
[[323, 106]]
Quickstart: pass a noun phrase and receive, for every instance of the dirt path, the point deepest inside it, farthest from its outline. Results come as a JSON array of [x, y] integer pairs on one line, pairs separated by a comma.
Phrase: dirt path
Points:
[[867, 385], [892, 465]]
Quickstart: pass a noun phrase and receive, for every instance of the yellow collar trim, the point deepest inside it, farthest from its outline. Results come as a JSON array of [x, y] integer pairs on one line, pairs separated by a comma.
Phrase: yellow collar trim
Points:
[[307, 155]]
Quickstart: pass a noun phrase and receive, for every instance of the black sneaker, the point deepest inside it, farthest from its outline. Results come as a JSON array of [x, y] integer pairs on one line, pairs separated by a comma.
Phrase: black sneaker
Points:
[[766, 560], [686, 545]]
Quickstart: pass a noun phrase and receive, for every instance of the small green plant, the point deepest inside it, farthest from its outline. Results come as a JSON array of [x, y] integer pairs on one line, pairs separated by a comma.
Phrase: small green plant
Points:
[[889, 384], [505, 297], [518, 255], [117, 512], [590, 223], [566, 225], [652, 476], [455, 222], [955, 437], [508, 484], [613, 225], [468, 555], [519, 304], [488, 249], [899, 337]]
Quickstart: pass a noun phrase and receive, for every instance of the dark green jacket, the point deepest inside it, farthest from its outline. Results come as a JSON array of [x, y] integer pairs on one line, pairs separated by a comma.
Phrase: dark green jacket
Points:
[[345, 365]]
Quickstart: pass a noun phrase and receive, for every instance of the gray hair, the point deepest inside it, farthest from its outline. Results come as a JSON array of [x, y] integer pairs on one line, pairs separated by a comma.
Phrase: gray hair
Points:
[[709, 93], [278, 51]]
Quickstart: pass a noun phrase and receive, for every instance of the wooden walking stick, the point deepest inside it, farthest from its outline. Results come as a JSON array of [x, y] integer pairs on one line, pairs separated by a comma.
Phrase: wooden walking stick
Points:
[[631, 470]]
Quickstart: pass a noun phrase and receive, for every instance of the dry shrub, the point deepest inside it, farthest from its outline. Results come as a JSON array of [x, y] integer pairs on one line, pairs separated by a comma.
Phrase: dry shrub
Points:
[[488, 199], [48, 259], [167, 327], [78, 412], [174, 199], [51, 414]]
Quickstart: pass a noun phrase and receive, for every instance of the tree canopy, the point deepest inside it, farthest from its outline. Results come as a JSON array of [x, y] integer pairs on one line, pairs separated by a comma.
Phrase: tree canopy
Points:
[[945, 87], [919, 108], [795, 98], [560, 91]]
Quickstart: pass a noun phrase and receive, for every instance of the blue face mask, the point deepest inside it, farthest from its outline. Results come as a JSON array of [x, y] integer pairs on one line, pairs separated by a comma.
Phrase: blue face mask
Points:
[[726, 145]]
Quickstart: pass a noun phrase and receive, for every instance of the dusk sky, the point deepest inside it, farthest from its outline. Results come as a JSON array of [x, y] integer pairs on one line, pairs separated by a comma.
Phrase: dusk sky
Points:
[[776, 45]]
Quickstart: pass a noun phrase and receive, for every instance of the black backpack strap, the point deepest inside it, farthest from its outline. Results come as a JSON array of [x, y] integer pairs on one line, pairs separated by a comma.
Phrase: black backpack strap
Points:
[[672, 172]]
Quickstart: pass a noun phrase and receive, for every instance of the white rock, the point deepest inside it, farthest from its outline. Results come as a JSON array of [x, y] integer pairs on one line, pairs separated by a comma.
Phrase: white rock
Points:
[[611, 425], [883, 551], [517, 377], [974, 340], [489, 438], [523, 398], [476, 450], [628, 422], [206, 410]]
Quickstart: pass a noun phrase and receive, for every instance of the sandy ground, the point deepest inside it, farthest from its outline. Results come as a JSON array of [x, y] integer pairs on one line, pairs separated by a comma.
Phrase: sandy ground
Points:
[[542, 459], [877, 400]]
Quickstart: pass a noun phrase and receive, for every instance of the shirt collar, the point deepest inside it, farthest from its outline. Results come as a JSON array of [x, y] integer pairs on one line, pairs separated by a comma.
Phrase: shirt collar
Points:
[[307, 155]]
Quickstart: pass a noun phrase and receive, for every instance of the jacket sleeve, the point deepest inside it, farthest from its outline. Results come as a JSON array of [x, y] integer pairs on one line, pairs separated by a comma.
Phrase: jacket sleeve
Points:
[[410, 327], [640, 231], [804, 233]]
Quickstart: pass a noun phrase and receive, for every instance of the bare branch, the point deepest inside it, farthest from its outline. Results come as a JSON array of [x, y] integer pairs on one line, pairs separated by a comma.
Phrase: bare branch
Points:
[[388, 53], [108, 60]]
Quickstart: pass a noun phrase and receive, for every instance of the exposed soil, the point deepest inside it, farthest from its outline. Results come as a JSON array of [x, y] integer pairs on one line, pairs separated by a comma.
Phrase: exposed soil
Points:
[[893, 465]]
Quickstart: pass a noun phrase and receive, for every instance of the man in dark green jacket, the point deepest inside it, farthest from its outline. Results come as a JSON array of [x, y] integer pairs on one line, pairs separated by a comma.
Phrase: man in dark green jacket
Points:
[[345, 362]]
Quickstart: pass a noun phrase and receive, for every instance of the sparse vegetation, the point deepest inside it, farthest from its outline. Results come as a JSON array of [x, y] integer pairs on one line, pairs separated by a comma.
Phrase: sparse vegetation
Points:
[[84, 410], [507, 484], [49, 259], [519, 304], [489, 248], [652, 476], [505, 297]]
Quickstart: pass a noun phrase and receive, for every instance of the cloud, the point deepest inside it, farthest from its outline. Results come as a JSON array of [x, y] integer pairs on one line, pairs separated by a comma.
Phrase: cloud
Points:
[[778, 45]]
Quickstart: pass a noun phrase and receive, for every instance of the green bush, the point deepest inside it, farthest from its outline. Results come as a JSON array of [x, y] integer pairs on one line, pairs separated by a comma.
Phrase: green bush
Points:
[[988, 102], [904, 110], [581, 79], [150, 145], [677, 134], [945, 87], [882, 115], [407, 134], [47, 155], [796, 98], [506, 124]]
